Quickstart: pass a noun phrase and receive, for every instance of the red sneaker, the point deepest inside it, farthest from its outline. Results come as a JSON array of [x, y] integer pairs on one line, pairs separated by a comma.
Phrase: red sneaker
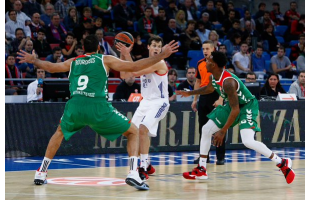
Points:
[[199, 173], [286, 168], [143, 174], [150, 169]]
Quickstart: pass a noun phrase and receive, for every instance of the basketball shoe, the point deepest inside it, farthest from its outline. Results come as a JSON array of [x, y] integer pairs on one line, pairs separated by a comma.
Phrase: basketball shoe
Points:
[[40, 177], [199, 173], [135, 181], [143, 174], [150, 169], [286, 168]]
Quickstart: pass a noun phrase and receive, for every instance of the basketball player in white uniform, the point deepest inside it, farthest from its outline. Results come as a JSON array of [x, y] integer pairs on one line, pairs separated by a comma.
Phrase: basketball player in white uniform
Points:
[[155, 103]]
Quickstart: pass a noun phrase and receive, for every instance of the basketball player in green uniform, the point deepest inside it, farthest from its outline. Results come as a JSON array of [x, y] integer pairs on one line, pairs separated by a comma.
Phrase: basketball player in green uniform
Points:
[[242, 108], [88, 106]]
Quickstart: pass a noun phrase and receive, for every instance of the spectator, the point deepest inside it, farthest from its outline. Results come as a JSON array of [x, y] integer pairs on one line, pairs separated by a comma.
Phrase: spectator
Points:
[[229, 66], [272, 86], [264, 21], [139, 49], [227, 24], [292, 13], [98, 24], [13, 24], [35, 25], [87, 14], [298, 48], [155, 8], [34, 90], [189, 83], [214, 37], [269, 38], [250, 77], [125, 88], [68, 46], [56, 57], [247, 17], [41, 46], [147, 25], [248, 39], [102, 9], [205, 20], [276, 16], [8, 47], [234, 29], [261, 10], [258, 63], [172, 10], [172, 80], [27, 67], [190, 10], [230, 6], [43, 4], [241, 61], [20, 16], [250, 30], [49, 10], [105, 45], [19, 41], [171, 32], [301, 62], [202, 32], [31, 7], [220, 12], [123, 16], [141, 8], [298, 87], [72, 19], [79, 50], [12, 71], [9, 5], [212, 13], [62, 7], [55, 32], [192, 40], [86, 26], [161, 20], [180, 20], [282, 65], [233, 45], [297, 28]]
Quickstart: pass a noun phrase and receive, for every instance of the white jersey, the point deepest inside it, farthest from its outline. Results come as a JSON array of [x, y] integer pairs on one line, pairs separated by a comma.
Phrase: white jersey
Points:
[[154, 86]]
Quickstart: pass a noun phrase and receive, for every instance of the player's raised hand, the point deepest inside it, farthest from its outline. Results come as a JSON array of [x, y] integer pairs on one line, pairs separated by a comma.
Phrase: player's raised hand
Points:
[[123, 49], [170, 48], [182, 93], [26, 57]]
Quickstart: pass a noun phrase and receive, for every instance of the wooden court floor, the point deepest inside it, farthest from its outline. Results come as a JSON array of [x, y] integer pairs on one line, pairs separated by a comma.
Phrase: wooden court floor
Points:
[[232, 181]]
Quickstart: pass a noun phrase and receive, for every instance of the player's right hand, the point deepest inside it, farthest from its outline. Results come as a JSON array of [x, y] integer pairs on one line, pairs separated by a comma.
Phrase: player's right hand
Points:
[[170, 48], [123, 49], [182, 93]]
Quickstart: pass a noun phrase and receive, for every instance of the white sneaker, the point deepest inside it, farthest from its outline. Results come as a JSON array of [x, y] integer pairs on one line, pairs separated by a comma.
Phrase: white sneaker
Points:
[[40, 177], [133, 179]]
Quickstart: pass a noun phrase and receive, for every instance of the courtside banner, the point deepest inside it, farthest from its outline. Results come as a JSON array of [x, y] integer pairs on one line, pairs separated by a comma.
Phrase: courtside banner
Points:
[[29, 127]]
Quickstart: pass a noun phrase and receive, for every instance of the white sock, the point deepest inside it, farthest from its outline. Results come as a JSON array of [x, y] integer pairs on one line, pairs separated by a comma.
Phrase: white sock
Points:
[[276, 158], [203, 162], [144, 161], [133, 163], [45, 163]]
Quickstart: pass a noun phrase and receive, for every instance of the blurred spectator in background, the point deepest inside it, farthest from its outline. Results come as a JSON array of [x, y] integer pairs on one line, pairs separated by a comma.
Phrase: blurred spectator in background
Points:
[[68, 46], [212, 13], [27, 67], [35, 25], [231, 6], [189, 9], [123, 15], [272, 86], [189, 83], [102, 9], [241, 61], [292, 13], [139, 49], [86, 14], [125, 88], [227, 24], [261, 10], [62, 7], [233, 45], [140, 9], [249, 29], [56, 57], [298, 48], [297, 28], [19, 41], [43, 4], [98, 24], [270, 40], [220, 12], [161, 20], [258, 63], [72, 19], [9, 5], [214, 37], [172, 80], [12, 71], [247, 17], [41, 46], [31, 7], [276, 16], [147, 26], [202, 32], [181, 20], [192, 40], [86, 26], [49, 10], [35, 90], [20, 16], [229, 66], [205, 20], [264, 21], [172, 10], [13, 24], [55, 32], [79, 50], [171, 32], [299, 86], [301, 62], [250, 77], [155, 8], [105, 45], [234, 29], [281, 64]]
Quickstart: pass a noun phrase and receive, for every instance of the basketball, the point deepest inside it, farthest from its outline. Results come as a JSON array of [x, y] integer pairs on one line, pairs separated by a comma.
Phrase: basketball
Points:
[[125, 38]]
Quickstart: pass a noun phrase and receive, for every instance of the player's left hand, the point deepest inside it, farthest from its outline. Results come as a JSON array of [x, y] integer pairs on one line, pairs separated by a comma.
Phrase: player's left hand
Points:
[[123, 49], [183, 93], [26, 57], [218, 138]]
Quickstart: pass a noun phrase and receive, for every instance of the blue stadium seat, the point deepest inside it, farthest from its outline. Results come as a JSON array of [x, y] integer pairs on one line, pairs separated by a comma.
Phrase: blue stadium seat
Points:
[[135, 26], [194, 56], [217, 26], [266, 56], [288, 52], [280, 30], [280, 39], [273, 53], [293, 42], [267, 65]]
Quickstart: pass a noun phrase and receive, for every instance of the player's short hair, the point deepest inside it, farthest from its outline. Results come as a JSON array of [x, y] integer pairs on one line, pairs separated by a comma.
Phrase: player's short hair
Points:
[[91, 44], [155, 38], [219, 58], [208, 42]]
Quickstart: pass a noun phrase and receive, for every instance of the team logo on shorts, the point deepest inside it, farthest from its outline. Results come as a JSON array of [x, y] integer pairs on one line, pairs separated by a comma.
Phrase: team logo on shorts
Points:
[[86, 181]]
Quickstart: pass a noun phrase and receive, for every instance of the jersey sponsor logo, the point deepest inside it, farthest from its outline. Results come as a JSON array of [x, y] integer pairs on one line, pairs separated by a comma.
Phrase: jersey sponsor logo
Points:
[[84, 93], [86, 181], [249, 116], [243, 121], [84, 62], [161, 110]]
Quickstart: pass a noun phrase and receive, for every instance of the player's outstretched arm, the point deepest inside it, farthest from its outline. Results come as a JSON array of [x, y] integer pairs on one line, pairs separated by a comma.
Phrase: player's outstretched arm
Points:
[[45, 65], [203, 90], [120, 65]]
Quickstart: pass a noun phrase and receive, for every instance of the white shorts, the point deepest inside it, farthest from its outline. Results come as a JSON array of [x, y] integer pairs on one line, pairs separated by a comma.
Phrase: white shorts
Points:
[[149, 113]]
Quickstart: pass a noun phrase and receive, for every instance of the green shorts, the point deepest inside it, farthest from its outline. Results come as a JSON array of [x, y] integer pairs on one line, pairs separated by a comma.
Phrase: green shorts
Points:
[[246, 118], [97, 113]]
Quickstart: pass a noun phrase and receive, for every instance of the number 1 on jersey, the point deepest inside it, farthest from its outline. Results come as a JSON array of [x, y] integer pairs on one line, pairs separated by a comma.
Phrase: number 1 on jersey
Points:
[[82, 82]]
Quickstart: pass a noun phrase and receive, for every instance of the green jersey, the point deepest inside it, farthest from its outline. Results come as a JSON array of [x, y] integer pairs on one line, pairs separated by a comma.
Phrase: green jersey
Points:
[[88, 77], [244, 95]]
